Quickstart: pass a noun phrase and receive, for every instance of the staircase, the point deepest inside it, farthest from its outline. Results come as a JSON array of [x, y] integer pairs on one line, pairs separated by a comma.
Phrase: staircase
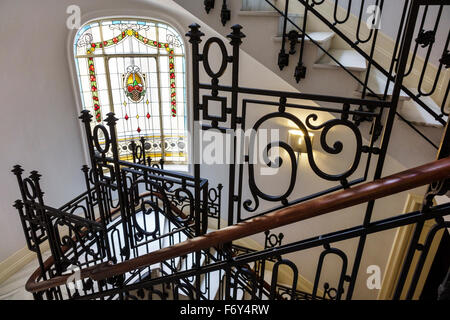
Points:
[[140, 231], [331, 65]]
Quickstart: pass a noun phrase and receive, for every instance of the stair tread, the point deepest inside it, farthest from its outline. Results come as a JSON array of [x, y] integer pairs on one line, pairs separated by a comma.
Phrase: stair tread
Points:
[[348, 58], [414, 113], [258, 13], [318, 36], [410, 110], [377, 83]]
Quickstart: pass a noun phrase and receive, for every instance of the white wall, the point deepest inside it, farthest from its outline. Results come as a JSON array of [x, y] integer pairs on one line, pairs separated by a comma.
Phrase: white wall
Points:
[[39, 129]]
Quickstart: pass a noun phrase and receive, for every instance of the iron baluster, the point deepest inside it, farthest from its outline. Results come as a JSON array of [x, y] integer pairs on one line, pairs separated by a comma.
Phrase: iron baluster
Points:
[[300, 69], [225, 13], [444, 151], [86, 119], [209, 4], [347, 15], [111, 122], [283, 57], [404, 52], [342, 275]]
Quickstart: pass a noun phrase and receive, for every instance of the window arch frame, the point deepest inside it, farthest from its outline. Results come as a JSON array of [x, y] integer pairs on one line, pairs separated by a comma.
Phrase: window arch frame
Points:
[[166, 20]]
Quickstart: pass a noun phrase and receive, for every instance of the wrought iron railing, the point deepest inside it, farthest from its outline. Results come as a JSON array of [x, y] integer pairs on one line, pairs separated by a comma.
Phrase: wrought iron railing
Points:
[[365, 43], [243, 266], [129, 209]]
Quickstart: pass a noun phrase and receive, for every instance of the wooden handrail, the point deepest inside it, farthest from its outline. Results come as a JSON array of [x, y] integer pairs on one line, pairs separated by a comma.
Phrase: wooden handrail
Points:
[[406, 180]]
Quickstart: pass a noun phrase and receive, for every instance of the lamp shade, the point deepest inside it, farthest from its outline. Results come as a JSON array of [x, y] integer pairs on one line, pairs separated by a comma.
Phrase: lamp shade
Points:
[[297, 142]]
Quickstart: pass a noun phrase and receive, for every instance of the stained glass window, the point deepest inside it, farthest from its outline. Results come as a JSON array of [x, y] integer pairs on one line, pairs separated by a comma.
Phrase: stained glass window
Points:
[[135, 69]]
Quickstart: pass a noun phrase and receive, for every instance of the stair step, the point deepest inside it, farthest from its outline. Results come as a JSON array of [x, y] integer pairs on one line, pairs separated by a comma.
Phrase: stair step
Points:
[[348, 58], [377, 83], [319, 37], [443, 200], [258, 5], [248, 13], [268, 276], [414, 112], [408, 109], [297, 21]]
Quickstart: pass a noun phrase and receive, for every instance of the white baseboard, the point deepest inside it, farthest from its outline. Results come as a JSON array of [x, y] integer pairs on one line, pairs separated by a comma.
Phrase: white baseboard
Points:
[[15, 262]]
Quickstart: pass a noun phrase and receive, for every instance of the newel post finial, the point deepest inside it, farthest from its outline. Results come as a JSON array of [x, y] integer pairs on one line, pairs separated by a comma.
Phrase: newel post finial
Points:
[[18, 204], [85, 169], [36, 177], [17, 170], [236, 35], [111, 119], [85, 116]]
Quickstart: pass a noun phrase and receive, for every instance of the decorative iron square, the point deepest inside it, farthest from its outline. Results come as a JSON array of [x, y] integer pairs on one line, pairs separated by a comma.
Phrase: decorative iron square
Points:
[[223, 108]]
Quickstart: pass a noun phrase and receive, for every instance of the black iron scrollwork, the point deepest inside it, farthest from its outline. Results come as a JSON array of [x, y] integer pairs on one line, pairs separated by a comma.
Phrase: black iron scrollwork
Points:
[[244, 280], [185, 197], [445, 59], [325, 128], [83, 237], [147, 208], [272, 240]]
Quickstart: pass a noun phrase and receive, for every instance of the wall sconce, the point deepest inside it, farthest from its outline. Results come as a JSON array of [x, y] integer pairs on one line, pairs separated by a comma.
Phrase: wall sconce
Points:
[[297, 142]]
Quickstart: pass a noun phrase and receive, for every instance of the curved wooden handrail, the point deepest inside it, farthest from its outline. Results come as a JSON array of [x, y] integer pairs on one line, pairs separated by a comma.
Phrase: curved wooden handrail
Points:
[[406, 180]]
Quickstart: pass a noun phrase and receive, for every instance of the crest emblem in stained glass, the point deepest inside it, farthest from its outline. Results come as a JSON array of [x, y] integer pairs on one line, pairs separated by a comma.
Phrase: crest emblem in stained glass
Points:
[[134, 84]]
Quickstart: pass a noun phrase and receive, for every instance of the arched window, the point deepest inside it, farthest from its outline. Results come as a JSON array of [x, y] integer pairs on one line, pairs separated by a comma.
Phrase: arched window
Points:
[[135, 69]]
